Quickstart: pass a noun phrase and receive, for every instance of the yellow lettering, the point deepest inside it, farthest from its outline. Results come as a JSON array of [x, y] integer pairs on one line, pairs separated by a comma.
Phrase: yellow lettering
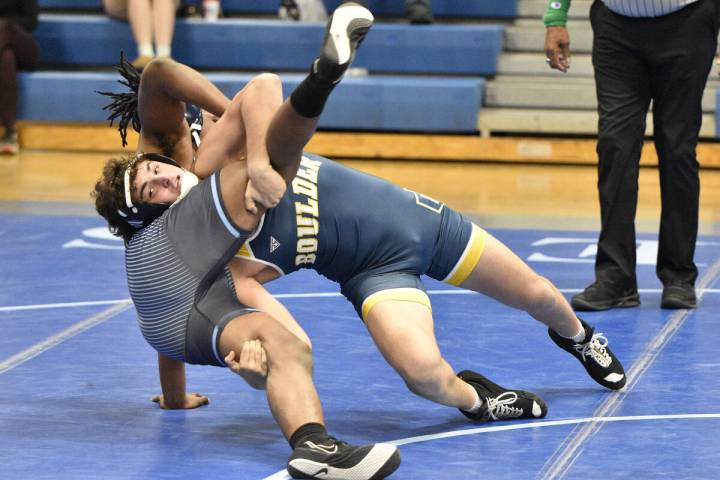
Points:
[[303, 187], [311, 208], [312, 164], [302, 259], [307, 226], [305, 183], [307, 174], [307, 245]]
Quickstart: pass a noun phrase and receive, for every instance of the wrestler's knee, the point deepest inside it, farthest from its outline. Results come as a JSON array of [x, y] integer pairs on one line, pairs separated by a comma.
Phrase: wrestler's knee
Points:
[[541, 295], [282, 346], [422, 373]]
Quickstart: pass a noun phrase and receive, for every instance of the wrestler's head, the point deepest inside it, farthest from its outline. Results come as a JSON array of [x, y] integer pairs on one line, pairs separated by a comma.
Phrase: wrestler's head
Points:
[[134, 191]]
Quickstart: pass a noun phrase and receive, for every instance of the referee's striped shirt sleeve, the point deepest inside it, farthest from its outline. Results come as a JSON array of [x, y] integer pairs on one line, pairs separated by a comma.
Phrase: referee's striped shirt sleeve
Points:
[[646, 8]]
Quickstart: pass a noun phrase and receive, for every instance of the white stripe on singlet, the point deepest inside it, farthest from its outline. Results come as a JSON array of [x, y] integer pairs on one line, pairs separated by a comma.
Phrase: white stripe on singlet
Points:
[[162, 289], [646, 8]]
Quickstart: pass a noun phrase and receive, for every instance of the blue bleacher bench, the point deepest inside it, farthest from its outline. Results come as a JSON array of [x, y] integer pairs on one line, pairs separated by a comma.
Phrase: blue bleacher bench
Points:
[[440, 8], [70, 4], [92, 40], [381, 103]]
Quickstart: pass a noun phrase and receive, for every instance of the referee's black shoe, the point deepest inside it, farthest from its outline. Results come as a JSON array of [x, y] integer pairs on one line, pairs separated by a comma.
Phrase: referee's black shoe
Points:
[[595, 355], [336, 460], [346, 29], [678, 295], [602, 296], [500, 403]]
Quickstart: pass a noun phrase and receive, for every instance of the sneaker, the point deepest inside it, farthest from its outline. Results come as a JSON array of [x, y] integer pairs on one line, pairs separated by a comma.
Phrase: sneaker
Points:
[[338, 460], [418, 13], [595, 355], [9, 144], [599, 296], [346, 29], [141, 62], [678, 295], [289, 10], [211, 10], [499, 403]]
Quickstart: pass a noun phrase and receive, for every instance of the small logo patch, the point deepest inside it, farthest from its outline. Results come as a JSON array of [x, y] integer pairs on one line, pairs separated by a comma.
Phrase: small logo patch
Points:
[[556, 5], [274, 244], [328, 449]]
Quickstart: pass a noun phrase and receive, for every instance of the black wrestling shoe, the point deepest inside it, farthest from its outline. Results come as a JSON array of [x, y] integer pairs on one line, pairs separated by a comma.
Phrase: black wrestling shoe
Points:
[[336, 460], [595, 355], [499, 403], [346, 29], [678, 295], [600, 296]]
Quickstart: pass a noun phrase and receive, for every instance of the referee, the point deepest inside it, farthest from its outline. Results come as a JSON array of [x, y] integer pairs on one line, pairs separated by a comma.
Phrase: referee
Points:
[[643, 50]]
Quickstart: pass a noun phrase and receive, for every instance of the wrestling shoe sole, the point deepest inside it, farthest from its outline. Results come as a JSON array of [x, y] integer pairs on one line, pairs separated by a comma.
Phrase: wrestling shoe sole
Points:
[[348, 26]]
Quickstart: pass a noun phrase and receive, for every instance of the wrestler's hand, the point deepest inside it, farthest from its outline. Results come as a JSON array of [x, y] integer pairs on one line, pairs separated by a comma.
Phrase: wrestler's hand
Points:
[[557, 48], [192, 400], [252, 364], [265, 188]]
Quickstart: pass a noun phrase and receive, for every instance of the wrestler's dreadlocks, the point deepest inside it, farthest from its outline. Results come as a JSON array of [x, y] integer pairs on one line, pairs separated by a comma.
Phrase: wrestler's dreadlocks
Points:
[[125, 105]]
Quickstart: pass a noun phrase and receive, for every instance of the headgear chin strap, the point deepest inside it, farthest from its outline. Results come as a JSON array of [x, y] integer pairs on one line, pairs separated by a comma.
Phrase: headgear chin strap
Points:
[[141, 214], [194, 119]]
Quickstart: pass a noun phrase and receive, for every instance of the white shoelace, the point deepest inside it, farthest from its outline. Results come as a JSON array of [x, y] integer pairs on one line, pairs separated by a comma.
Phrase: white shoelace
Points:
[[595, 349], [500, 407]]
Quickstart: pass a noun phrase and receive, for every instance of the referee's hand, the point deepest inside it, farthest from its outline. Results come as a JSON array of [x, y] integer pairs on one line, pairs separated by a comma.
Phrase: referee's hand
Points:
[[557, 48]]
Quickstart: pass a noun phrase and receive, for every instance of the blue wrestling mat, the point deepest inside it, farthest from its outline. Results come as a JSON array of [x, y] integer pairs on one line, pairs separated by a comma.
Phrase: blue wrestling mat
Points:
[[76, 376]]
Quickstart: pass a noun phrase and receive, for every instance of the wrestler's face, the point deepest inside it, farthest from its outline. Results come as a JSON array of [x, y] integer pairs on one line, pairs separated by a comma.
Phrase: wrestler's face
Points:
[[157, 182]]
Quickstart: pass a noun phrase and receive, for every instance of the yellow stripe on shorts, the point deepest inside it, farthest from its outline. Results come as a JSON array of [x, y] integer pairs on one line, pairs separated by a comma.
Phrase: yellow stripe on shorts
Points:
[[244, 251], [469, 258], [399, 294]]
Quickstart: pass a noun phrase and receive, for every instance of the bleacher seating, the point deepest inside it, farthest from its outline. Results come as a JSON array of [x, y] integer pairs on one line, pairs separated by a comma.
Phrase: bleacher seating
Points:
[[441, 8], [268, 44], [428, 78], [362, 103], [46, 5]]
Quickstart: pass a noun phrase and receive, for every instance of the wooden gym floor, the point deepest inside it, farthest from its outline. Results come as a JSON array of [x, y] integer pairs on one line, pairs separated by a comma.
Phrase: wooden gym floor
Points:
[[504, 195]]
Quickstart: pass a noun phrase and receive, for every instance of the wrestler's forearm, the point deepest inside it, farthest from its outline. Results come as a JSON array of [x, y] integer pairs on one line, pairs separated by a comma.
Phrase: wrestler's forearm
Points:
[[261, 99], [242, 129], [180, 82], [172, 381]]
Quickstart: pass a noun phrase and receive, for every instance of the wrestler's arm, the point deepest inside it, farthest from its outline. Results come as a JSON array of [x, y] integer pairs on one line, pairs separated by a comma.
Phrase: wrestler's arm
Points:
[[241, 134], [250, 363], [255, 105], [224, 142], [165, 87], [172, 381]]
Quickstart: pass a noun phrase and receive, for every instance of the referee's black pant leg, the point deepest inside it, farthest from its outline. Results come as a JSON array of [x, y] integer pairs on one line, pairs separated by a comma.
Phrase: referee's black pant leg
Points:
[[622, 84], [679, 74]]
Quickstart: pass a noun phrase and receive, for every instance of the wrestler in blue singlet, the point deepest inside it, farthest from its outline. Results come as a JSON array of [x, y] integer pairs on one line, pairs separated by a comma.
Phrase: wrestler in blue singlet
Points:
[[374, 238]]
